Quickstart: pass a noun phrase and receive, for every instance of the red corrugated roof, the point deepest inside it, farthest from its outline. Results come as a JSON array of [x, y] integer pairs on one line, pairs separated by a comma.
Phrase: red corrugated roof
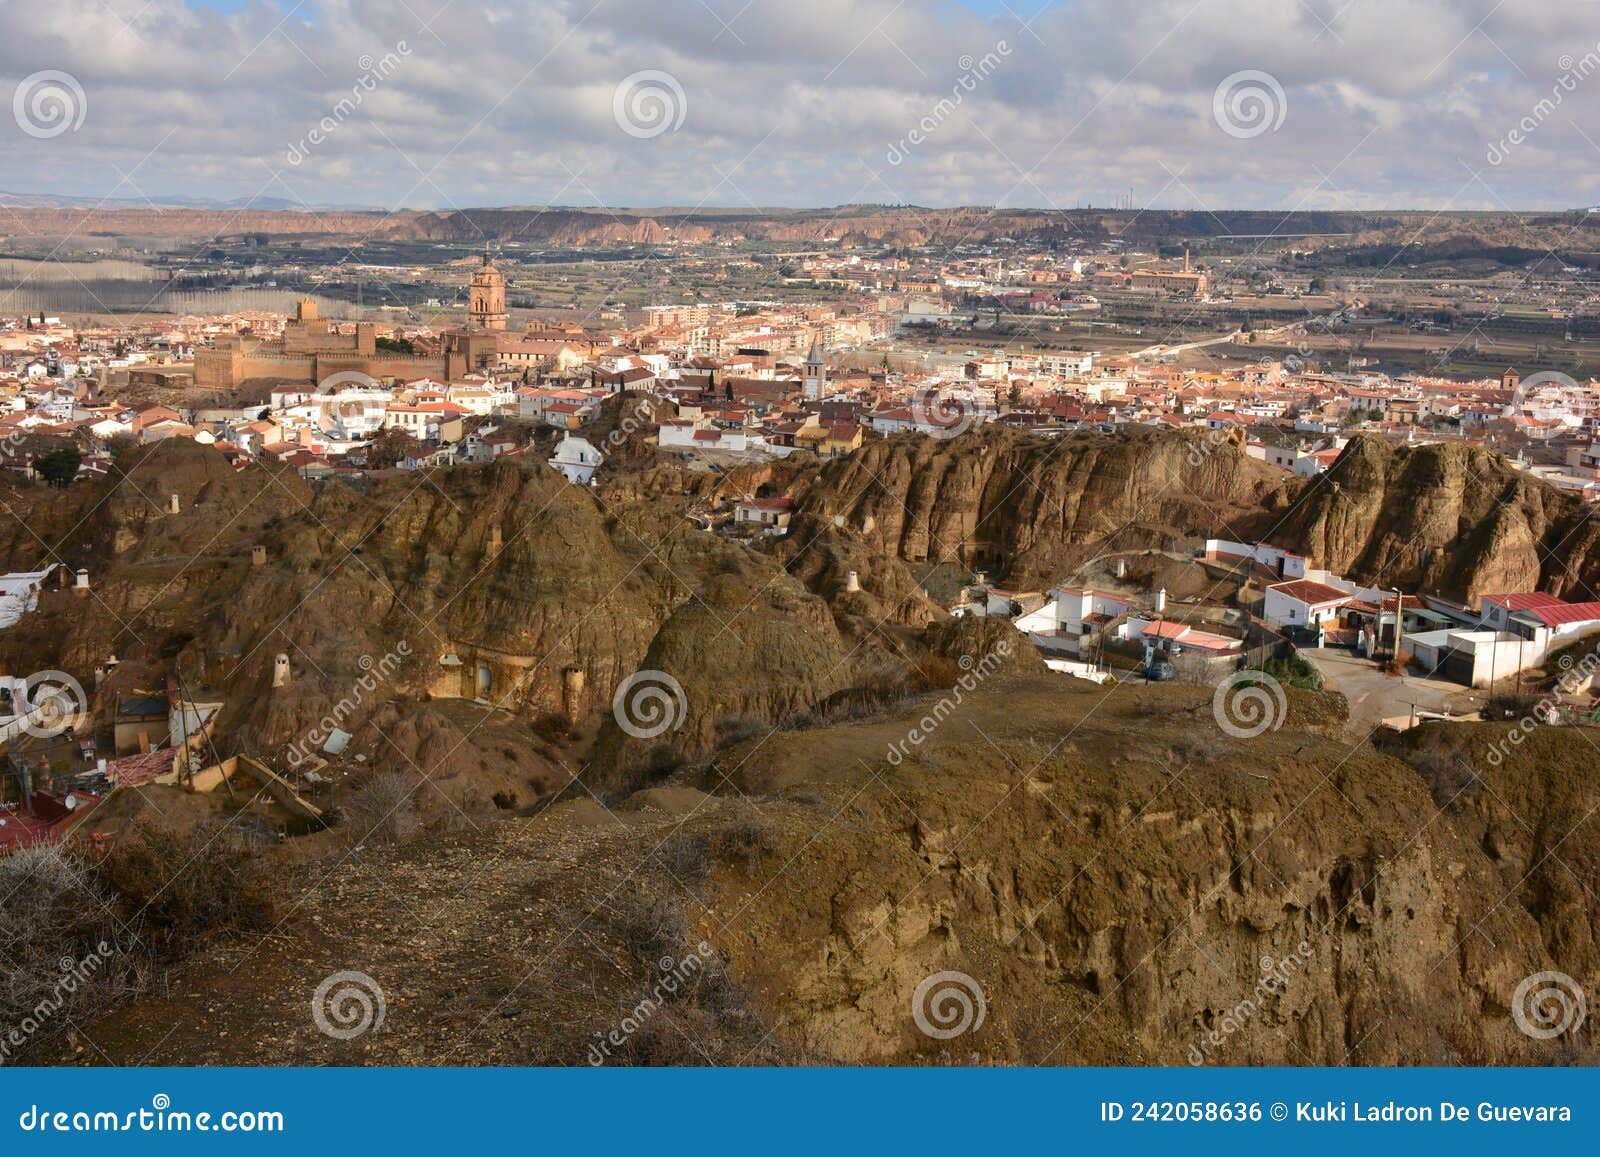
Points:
[[1523, 600], [137, 770], [51, 821], [1564, 614]]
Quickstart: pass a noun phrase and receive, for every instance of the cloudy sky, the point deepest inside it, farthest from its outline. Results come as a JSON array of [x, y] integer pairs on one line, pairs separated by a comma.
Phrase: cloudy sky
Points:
[[1170, 103]]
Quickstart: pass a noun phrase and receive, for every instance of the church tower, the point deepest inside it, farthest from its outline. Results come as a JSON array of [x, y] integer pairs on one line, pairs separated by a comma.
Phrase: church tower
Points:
[[816, 374], [486, 302]]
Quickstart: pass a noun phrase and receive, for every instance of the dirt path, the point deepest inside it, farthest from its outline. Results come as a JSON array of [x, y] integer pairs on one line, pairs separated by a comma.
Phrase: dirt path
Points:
[[494, 948]]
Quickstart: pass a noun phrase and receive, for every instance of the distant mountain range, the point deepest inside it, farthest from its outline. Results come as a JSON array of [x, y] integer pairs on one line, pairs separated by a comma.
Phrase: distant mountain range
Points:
[[67, 201], [1379, 232]]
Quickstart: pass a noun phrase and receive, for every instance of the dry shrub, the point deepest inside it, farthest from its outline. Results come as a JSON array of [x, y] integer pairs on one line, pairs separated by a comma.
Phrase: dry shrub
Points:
[[934, 673], [383, 811], [1450, 778], [877, 694], [744, 840], [661, 762], [650, 927], [686, 858], [173, 887], [686, 1009], [62, 954], [555, 726], [734, 729], [79, 934], [1435, 751]]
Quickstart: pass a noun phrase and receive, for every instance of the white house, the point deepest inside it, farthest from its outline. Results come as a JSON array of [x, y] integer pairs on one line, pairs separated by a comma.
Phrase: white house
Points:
[[694, 436], [1071, 616], [1495, 611], [1067, 364], [577, 458], [1303, 603], [1273, 558], [771, 514], [1476, 658]]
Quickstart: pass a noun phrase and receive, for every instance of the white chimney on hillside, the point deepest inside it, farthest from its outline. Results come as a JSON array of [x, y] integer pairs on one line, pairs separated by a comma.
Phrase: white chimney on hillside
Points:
[[1161, 601]]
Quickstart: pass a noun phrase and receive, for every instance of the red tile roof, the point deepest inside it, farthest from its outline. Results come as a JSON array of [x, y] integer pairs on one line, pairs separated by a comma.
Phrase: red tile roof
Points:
[[1310, 592]]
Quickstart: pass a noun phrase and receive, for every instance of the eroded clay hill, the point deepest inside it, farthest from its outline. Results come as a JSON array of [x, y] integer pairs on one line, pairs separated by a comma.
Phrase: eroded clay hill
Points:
[[1035, 507], [392, 599], [1107, 867], [1447, 517]]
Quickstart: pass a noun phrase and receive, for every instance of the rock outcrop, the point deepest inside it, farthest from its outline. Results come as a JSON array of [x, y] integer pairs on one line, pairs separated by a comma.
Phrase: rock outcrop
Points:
[[1031, 507], [747, 649], [500, 585], [1105, 874], [1446, 517], [1118, 879]]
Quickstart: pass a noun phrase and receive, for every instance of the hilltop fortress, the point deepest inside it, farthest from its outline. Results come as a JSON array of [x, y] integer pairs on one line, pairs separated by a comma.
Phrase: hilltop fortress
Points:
[[311, 349]]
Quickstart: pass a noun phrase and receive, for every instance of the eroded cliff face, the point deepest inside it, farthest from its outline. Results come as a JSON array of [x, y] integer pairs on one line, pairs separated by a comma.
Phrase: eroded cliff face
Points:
[[505, 564], [1120, 879], [1449, 518], [1116, 879], [394, 592], [1033, 507], [1446, 517], [748, 649]]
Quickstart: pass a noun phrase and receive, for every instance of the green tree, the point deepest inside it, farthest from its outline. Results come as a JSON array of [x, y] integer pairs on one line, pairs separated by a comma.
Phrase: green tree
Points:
[[59, 467]]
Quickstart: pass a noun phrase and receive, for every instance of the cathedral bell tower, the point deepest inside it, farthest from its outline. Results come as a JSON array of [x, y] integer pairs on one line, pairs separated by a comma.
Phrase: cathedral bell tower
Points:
[[486, 302]]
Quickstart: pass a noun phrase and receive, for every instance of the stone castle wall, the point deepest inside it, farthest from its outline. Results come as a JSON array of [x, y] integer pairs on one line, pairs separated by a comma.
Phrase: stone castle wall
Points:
[[227, 368]]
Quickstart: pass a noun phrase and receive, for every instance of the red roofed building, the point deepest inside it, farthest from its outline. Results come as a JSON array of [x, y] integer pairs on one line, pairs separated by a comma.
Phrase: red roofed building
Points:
[[1563, 614], [1303, 603], [53, 816], [1167, 636], [1496, 610]]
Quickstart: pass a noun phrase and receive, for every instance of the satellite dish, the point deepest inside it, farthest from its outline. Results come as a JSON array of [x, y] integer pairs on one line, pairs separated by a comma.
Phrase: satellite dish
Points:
[[72, 803]]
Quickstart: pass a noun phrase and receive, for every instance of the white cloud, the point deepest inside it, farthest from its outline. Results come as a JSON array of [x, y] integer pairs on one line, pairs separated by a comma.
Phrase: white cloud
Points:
[[1393, 102]]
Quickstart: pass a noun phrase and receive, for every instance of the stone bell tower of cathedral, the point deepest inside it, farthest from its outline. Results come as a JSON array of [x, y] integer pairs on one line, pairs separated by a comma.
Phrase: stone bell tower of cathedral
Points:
[[486, 302]]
